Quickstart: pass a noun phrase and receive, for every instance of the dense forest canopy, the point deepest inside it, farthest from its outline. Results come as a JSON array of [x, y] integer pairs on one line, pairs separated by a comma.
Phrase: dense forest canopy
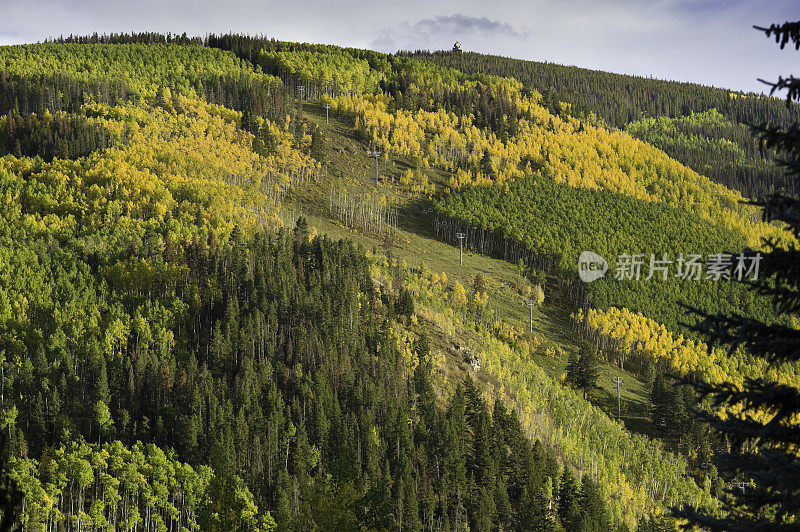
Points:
[[147, 297], [560, 222], [709, 126], [716, 147], [617, 98], [176, 351]]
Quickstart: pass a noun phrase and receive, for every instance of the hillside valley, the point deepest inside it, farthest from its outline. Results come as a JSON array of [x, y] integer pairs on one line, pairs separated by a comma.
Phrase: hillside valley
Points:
[[233, 296]]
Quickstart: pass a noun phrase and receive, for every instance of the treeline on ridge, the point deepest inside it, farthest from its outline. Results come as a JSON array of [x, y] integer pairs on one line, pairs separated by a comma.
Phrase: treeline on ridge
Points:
[[618, 98]]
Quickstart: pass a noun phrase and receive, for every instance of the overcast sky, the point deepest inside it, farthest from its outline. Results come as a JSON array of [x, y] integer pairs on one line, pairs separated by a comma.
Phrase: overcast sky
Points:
[[705, 41]]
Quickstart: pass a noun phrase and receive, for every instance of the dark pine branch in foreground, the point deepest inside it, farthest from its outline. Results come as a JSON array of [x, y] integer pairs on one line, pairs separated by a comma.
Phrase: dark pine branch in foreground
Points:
[[764, 434]]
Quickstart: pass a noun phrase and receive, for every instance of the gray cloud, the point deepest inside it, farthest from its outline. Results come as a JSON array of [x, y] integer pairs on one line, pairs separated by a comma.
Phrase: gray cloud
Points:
[[463, 23], [438, 31]]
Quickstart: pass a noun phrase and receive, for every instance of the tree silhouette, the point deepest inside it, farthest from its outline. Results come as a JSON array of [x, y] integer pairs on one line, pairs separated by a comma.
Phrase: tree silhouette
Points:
[[760, 418]]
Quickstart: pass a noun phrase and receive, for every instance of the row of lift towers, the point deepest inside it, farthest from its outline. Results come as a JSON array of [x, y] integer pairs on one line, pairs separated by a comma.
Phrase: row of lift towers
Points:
[[462, 236]]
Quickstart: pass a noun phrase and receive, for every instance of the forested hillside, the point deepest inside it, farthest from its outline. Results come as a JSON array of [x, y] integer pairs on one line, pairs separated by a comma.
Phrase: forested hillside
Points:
[[182, 348], [705, 128], [147, 298], [716, 147], [619, 99], [557, 222]]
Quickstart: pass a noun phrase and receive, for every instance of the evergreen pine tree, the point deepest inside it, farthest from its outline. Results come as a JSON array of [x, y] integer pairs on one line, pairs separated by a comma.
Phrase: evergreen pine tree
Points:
[[663, 400], [593, 507], [764, 448], [317, 144], [486, 163], [568, 510], [582, 371], [10, 495]]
